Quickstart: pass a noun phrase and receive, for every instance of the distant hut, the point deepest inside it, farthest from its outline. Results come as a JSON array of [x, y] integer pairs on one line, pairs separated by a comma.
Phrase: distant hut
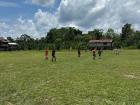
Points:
[[12, 46], [3, 44], [106, 44]]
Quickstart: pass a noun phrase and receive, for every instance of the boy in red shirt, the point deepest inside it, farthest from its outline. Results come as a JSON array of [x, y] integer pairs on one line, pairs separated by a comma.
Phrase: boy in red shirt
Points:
[[94, 53], [46, 54]]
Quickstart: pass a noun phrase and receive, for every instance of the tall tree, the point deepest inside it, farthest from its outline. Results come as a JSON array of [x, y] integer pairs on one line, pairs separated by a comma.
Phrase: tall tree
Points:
[[96, 34], [63, 37], [25, 42], [10, 39], [126, 31], [110, 33]]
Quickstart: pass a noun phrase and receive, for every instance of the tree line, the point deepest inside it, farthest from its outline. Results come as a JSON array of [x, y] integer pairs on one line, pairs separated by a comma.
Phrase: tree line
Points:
[[70, 37]]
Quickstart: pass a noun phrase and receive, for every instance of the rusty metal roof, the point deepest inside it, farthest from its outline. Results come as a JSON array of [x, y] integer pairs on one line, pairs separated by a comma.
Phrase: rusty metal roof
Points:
[[101, 41], [3, 40]]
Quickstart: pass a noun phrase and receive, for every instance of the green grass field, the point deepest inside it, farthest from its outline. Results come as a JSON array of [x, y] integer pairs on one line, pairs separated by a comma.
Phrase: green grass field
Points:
[[27, 79]]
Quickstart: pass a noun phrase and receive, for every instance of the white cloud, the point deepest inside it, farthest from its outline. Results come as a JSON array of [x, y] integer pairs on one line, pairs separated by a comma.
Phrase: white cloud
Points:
[[3, 25], [36, 27], [24, 26], [45, 21], [74, 10], [21, 26], [3, 29], [99, 13], [86, 15]]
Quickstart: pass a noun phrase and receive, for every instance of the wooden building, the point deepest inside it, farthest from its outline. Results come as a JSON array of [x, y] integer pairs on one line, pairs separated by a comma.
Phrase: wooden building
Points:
[[12, 46], [106, 44], [5, 45]]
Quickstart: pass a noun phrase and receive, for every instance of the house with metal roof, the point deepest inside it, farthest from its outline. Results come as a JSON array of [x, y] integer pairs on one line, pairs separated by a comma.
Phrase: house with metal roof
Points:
[[106, 44], [5, 45]]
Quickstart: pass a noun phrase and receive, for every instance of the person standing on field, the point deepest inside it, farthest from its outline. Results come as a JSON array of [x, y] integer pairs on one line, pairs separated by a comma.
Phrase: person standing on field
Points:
[[46, 54], [53, 55], [79, 52], [94, 53], [116, 51], [99, 53]]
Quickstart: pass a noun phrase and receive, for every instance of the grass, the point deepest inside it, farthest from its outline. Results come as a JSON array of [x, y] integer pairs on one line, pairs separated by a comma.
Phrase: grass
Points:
[[27, 79]]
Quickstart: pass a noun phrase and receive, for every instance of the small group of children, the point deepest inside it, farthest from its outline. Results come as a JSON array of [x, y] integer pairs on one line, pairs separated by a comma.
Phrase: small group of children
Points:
[[79, 54], [99, 53], [53, 55]]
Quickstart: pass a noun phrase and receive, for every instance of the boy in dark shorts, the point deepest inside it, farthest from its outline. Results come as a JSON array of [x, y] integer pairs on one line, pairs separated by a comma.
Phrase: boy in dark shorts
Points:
[[99, 53], [79, 52], [94, 53], [53, 55]]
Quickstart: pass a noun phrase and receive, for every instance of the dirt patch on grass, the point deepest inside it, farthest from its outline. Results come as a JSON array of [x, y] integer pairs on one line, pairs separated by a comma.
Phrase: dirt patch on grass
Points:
[[131, 76]]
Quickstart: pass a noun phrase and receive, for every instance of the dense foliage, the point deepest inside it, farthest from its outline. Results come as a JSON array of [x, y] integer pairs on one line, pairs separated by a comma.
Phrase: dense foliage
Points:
[[72, 38]]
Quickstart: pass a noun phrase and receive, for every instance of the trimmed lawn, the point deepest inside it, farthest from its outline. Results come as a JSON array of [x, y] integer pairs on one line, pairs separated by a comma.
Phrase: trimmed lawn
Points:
[[26, 78]]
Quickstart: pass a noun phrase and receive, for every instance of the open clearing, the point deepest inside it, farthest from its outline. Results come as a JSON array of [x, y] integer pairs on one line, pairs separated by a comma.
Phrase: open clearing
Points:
[[27, 79]]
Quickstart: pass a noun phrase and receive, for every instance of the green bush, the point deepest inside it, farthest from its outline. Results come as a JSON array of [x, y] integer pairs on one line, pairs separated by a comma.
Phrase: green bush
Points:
[[131, 47], [138, 45]]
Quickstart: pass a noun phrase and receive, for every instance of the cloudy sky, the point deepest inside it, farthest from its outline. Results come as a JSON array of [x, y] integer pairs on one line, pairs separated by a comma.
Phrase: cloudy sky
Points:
[[37, 17]]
